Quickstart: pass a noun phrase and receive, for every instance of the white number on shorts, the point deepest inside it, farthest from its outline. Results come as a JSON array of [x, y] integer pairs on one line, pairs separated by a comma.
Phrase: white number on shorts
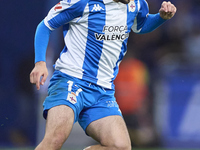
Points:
[[70, 87]]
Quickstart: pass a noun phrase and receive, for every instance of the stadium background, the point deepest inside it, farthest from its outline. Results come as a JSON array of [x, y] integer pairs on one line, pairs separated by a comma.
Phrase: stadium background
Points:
[[168, 111]]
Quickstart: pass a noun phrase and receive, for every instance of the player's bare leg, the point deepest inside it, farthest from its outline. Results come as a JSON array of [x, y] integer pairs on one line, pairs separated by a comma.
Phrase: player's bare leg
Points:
[[59, 124], [110, 132]]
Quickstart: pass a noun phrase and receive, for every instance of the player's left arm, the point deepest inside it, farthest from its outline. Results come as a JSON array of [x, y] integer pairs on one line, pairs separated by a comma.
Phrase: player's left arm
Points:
[[149, 22]]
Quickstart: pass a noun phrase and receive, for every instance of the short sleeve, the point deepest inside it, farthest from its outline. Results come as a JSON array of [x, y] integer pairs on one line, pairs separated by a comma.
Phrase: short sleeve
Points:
[[64, 12], [143, 11]]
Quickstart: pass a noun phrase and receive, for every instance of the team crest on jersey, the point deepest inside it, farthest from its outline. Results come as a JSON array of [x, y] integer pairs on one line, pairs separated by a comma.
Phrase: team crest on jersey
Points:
[[72, 98], [131, 6]]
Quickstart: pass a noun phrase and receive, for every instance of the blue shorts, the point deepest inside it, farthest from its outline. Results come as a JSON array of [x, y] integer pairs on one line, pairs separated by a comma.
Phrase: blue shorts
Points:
[[89, 101]]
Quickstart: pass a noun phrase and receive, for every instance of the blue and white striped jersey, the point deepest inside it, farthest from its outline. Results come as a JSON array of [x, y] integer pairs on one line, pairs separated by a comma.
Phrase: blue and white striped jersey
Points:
[[95, 36]]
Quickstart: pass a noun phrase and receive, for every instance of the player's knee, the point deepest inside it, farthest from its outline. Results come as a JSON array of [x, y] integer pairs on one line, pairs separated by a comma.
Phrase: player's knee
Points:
[[57, 141], [118, 144], [122, 145]]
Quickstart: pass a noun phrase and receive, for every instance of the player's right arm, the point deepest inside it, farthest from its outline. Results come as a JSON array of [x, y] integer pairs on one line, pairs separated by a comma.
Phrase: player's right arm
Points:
[[41, 41], [60, 14]]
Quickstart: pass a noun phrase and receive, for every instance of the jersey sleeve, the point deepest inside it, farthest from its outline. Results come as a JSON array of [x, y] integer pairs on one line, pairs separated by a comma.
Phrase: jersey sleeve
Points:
[[143, 11], [145, 22], [60, 14], [64, 12], [152, 22], [42, 35]]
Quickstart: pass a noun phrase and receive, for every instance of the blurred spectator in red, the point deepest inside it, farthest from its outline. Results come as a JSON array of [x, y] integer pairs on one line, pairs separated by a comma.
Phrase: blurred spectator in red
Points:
[[131, 85], [132, 97]]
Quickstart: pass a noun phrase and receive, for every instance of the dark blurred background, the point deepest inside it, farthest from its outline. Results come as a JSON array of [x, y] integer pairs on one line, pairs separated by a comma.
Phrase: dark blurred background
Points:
[[165, 108]]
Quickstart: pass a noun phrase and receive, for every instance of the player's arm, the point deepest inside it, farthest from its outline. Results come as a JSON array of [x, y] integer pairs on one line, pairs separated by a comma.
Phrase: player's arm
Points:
[[59, 15], [145, 22], [41, 41]]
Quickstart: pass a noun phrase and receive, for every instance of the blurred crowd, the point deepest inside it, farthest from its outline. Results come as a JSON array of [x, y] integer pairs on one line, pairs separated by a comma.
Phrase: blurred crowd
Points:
[[170, 53], [154, 60]]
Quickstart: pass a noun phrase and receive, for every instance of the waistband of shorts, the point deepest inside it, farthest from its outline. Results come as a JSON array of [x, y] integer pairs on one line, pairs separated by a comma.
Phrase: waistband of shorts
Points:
[[80, 81]]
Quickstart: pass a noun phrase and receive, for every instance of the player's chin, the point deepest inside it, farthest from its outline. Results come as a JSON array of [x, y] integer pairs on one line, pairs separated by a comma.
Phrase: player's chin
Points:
[[124, 1]]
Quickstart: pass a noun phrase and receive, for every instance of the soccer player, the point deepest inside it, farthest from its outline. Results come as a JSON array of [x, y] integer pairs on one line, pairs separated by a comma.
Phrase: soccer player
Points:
[[81, 88]]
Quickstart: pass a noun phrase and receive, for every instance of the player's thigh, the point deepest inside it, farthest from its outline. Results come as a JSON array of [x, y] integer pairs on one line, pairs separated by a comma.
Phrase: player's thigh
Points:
[[59, 123], [109, 131]]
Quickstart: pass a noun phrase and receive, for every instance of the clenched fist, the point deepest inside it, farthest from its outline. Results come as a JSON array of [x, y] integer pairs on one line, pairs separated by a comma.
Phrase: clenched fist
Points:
[[167, 10]]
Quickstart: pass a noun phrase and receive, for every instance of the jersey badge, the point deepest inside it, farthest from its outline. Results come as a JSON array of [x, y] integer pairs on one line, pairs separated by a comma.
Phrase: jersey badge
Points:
[[72, 98], [131, 6]]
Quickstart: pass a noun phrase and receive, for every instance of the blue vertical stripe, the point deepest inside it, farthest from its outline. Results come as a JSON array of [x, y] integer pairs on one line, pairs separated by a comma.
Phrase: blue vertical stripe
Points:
[[131, 16], [142, 14], [96, 22], [65, 29]]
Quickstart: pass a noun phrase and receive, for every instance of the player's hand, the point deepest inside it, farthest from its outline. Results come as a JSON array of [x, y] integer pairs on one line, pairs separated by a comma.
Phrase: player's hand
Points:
[[167, 10], [40, 70]]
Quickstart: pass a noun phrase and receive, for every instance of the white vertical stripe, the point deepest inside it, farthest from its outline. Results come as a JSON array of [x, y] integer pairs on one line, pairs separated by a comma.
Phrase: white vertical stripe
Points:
[[75, 39], [111, 48]]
